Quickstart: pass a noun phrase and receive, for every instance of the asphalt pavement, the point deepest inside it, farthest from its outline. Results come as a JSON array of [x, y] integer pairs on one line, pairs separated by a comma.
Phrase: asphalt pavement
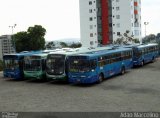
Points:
[[137, 90]]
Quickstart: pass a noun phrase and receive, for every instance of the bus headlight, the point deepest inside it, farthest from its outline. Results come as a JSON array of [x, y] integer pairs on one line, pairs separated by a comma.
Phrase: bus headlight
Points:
[[83, 76], [89, 76]]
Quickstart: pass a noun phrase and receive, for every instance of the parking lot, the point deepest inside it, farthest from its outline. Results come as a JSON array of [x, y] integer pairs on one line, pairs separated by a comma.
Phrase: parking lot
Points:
[[137, 90]]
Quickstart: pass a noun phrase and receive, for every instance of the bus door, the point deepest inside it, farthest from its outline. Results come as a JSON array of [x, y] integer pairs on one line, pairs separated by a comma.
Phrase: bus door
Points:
[[117, 63], [93, 66], [110, 65], [146, 56], [103, 66]]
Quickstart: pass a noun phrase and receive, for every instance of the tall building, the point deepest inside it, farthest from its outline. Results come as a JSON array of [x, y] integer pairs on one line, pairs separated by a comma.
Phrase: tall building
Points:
[[6, 46], [103, 21]]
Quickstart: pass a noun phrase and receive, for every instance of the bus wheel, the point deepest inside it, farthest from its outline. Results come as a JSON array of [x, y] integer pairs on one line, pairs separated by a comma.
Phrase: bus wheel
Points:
[[100, 78], [153, 59], [142, 63], [123, 70]]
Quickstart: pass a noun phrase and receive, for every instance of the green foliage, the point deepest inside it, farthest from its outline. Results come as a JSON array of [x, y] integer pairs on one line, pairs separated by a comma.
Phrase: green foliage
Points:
[[63, 44], [149, 39], [33, 39], [1, 65], [22, 41], [50, 45], [136, 41], [152, 39], [76, 45], [125, 39], [158, 40]]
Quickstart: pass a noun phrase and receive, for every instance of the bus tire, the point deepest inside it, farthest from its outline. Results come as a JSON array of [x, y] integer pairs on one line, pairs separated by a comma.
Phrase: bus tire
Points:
[[153, 59], [123, 70], [142, 63], [100, 77]]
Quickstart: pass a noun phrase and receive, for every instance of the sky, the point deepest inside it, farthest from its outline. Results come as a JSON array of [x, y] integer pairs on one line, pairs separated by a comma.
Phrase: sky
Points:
[[61, 17]]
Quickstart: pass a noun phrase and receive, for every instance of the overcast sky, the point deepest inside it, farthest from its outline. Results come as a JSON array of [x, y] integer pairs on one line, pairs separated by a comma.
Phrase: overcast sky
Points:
[[60, 17]]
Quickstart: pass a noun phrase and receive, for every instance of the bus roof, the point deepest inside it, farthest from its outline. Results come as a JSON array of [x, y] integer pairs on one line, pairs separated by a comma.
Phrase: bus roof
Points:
[[99, 53], [21, 54], [147, 45], [81, 50], [39, 54]]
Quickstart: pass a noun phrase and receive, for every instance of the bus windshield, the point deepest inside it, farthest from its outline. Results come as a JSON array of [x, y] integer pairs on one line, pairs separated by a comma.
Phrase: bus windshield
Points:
[[56, 64], [32, 65], [136, 52], [79, 66], [11, 64]]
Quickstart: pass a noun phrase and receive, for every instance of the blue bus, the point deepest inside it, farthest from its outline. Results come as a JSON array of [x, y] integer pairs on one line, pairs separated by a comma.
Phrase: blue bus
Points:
[[57, 63], [144, 53], [95, 66], [13, 65]]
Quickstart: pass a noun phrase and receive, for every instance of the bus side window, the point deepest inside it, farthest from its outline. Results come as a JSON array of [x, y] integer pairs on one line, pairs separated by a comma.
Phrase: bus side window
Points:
[[43, 64], [93, 64], [21, 62]]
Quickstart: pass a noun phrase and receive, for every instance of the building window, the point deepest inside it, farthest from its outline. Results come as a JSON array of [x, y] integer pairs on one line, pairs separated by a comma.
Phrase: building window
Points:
[[90, 18], [117, 8], [118, 25], [118, 33], [91, 26], [90, 10], [91, 34], [90, 2], [136, 24], [91, 43], [136, 32], [117, 16]]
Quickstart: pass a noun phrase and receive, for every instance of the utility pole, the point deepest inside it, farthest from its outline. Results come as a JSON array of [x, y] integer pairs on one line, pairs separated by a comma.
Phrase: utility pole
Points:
[[145, 24], [12, 27]]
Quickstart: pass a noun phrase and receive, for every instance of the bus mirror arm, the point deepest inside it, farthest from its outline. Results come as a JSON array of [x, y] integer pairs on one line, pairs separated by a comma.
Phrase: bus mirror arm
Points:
[[92, 70]]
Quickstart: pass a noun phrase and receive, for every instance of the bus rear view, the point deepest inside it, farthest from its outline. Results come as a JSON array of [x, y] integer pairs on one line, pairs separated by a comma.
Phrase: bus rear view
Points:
[[13, 66]]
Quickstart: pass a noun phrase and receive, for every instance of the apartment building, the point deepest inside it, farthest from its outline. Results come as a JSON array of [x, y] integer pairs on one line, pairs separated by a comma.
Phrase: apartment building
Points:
[[6, 46], [103, 21]]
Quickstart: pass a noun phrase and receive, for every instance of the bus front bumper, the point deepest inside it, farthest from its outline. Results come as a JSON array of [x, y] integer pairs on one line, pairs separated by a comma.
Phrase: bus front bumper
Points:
[[57, 77], [83, 79], [136, 63], [34, 76], [13, 75]]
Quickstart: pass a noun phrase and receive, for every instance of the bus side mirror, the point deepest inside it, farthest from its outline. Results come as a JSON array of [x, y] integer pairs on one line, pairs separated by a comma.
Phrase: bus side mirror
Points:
[[92, 70]]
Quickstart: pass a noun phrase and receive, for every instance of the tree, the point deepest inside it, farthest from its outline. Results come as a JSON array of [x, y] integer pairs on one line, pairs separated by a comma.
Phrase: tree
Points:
[[33, 39], [136, 41], [75, 45], [50, 45], [158, 40], [149, 39], [158, 37], [63, 44], [21, 41], [126, 39]]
